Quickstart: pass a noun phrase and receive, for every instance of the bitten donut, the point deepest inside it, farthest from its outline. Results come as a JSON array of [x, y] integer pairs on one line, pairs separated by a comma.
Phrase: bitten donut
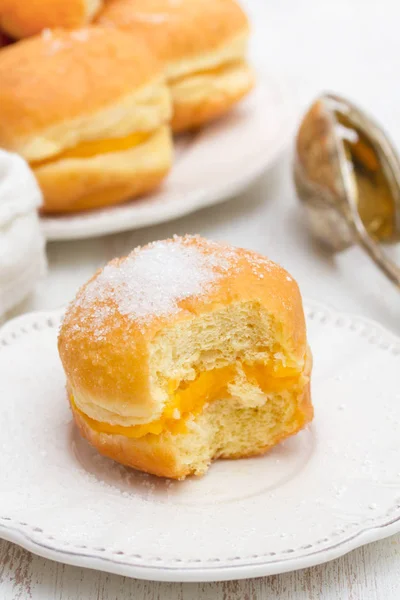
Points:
[[203, 44], [89, 110], [186, 351]]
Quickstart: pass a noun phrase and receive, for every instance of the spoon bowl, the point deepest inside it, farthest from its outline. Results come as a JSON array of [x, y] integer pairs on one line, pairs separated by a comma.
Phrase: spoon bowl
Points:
[[347, 175]]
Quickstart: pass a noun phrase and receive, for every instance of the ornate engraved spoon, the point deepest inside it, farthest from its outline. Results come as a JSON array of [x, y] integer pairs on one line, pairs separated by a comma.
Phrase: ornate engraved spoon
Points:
[[347, 174]]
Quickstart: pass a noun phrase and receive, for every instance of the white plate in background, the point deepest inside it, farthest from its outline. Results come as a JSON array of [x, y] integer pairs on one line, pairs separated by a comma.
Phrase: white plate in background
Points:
[[210, 165], [316, 496]]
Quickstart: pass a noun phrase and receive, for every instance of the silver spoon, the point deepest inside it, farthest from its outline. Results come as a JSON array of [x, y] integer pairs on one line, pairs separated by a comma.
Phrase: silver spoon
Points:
[[347, 174]]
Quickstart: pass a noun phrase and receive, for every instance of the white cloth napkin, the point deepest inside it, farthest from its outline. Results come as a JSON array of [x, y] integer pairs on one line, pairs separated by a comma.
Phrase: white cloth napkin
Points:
[[22, 246]]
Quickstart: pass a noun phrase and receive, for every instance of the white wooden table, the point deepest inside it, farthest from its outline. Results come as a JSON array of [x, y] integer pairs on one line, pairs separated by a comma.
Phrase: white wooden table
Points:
[[350, 46]]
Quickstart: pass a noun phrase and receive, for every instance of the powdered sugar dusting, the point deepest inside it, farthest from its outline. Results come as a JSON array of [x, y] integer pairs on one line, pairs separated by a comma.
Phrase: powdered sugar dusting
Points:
[[55, 43], [151, 281], [47, 34], [259, 264], [155, 18], [81, 35]]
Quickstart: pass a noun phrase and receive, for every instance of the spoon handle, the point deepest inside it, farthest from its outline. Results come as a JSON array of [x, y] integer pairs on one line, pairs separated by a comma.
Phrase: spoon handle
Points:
[[373, 249]]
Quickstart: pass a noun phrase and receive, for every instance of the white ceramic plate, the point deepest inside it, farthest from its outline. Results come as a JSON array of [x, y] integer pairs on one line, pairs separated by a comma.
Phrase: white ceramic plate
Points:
[[333, 487], [211, 165]]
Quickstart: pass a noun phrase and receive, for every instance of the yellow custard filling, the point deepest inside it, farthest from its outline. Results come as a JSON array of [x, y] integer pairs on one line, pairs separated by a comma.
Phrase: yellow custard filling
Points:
[[92, 148], [188, 398]]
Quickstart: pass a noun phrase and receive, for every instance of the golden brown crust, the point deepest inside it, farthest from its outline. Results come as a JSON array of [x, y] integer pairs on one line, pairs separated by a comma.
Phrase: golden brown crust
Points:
[[23, 18], [155, 458], [52, 80], [116, 367], [177, 30], [159, 455], [191, 111], [76, 185], [59, 199]]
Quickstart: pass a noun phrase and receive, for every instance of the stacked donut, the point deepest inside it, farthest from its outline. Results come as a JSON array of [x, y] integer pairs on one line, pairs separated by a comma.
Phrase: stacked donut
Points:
[[92, 91]]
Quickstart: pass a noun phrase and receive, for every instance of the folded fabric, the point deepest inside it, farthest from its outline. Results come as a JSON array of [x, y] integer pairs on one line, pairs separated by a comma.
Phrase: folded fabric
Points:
[[22, 245]]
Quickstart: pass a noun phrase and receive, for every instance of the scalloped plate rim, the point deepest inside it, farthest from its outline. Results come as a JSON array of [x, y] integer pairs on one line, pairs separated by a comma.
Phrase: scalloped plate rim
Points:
[[14, 533], [201, 574]]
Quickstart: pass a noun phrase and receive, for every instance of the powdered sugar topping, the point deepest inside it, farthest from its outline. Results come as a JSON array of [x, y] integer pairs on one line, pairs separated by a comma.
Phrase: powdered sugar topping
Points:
[[47, 34], [151, 281], [55, 43], [155, 18], [81, 35]]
